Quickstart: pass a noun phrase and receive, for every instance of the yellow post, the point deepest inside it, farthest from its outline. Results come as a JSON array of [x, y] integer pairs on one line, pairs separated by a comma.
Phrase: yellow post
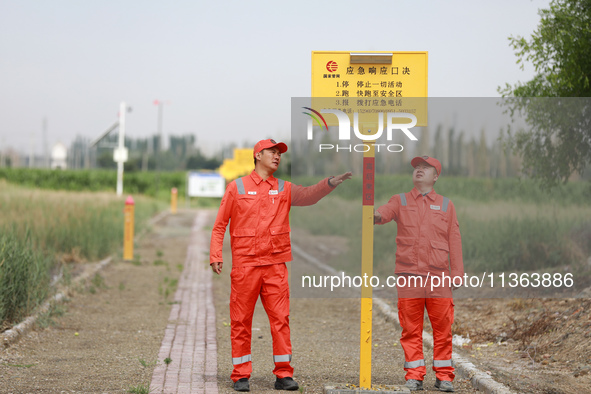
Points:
[[128, 229], [367, 265], [173, 200]]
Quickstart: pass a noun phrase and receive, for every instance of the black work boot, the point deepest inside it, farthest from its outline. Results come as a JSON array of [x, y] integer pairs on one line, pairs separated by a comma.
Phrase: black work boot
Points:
[[286, 384], [242, 385]]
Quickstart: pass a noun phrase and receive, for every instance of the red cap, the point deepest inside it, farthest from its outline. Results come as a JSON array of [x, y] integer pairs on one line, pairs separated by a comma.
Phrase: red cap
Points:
[[429, 160], [129, 201], [266, 144]]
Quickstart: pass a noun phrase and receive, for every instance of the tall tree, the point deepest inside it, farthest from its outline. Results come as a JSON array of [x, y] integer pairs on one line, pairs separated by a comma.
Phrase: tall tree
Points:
[[557, 139], [560, 51]]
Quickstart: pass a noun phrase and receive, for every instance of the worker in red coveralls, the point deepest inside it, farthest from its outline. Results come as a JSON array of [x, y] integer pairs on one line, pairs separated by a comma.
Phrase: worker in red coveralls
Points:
[[257, 207], [428, 245]]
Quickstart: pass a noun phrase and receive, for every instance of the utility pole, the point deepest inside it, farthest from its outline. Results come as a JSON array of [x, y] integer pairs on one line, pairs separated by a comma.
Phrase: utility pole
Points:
[[2, 153], [160, 107], [159, 154], [120, 153], [160, 133], [31, 151], [45, 144], [147, 153]]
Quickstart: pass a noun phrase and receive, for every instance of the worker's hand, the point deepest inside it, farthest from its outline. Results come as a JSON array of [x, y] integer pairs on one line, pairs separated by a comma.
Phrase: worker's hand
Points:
[[337, 180], [217, 267], [377, 217]]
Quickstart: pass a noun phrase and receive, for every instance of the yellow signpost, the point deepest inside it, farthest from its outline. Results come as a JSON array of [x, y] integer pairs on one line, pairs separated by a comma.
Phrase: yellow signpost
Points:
[[383, 82], [392, 81]]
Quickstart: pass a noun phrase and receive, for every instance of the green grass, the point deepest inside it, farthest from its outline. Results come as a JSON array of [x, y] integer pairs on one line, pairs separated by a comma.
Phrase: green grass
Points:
[[96, 180], [47, 319], [154, 184], [139, 389], [473, 189], [44, 231], [98, 281], [145, 363], [24, 277], [522, 244], [527, 230]]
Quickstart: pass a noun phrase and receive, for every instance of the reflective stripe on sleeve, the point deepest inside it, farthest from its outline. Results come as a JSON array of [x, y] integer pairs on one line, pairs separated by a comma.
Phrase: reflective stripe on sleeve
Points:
[[445, 204], [240, 360], [403, 199], [240, 186], [442, 363], [414, 364], [284, 358]]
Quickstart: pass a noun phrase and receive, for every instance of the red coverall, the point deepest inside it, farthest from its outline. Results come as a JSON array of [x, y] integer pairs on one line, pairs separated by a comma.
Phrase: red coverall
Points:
[[260, 241], [428, 232]]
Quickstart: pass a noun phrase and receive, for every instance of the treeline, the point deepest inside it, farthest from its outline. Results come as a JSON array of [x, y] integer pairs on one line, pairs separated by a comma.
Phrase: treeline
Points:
[[146, 183], [145, 154], [459, 153]]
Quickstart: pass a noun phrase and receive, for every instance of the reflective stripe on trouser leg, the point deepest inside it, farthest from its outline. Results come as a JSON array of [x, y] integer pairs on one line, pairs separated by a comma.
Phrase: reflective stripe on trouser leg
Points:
[[410, 313], [240, 360], [245, 283], [441, 315], [414, 364], [285, 358], [442, 363], [275, 300]]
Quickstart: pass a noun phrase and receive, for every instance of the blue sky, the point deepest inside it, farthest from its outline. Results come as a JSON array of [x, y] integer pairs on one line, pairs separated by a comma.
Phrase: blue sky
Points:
[[228, 69]]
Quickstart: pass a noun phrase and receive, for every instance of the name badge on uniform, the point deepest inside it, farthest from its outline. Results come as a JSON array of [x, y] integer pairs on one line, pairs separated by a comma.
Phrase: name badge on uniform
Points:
[[273, 192], [435, 207], [252, 193]]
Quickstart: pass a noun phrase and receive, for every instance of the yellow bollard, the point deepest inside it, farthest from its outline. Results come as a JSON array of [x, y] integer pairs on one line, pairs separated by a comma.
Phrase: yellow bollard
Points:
[[173, 199], [128, 229]]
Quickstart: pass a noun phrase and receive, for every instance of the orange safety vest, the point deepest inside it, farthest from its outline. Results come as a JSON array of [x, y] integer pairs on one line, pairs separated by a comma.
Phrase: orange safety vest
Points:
[[258, 212], [427, 234]]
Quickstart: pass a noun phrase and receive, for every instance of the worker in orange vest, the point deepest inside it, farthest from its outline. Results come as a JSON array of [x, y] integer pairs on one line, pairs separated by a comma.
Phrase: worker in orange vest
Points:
[[257, 207], [428, 244]]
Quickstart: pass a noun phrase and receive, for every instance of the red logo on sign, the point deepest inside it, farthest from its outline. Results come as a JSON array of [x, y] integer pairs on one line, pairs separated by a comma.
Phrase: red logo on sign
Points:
[[332, 66]]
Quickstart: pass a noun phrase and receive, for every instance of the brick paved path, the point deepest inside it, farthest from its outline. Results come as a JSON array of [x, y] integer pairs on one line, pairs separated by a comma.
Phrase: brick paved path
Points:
[[190, 337]]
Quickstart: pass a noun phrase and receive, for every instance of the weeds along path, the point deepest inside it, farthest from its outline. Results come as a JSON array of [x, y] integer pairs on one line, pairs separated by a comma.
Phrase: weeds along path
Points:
[[107, 337]]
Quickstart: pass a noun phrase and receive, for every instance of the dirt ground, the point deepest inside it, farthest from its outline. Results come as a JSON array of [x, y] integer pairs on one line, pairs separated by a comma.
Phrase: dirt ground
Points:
[[325, 339], [109, 333], [539, 345], [533, 346]]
